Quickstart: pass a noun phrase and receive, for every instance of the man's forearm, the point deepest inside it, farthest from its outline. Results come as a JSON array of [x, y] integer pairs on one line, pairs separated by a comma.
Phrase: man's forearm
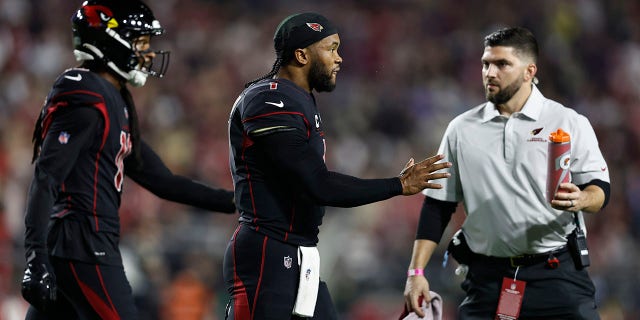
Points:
[[422, 252], [594, 198]]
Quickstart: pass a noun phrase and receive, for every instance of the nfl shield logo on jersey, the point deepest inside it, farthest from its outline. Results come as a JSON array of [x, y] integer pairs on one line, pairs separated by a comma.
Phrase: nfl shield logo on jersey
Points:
[[287, 262], [63, 138]]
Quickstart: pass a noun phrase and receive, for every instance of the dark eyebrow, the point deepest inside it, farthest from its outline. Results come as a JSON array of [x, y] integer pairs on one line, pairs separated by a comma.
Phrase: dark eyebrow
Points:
[[496, 61]]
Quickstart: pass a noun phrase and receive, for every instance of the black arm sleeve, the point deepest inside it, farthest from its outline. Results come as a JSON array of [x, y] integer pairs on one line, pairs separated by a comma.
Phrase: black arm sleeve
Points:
[[154, 176], [292, 153], [42, 195], [53, 165], [605, 186], [434, 218]]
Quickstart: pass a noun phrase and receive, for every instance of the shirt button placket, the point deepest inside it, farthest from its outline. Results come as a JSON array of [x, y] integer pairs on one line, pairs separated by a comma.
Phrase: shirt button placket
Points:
[[509, 135]]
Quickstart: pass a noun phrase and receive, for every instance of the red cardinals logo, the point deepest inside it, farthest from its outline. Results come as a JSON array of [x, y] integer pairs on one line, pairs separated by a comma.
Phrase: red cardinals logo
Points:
[[536, 131], [99, 16], [315, 26]]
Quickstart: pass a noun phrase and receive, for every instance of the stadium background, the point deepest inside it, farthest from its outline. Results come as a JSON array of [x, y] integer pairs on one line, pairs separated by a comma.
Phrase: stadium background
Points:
[[409, 67]]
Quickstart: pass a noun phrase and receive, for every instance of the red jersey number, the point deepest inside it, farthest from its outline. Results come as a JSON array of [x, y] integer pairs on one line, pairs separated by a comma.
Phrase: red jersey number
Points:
[[125, 149]]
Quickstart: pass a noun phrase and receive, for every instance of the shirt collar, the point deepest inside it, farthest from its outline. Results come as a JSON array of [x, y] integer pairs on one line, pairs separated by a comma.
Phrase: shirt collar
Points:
[[531, 109]]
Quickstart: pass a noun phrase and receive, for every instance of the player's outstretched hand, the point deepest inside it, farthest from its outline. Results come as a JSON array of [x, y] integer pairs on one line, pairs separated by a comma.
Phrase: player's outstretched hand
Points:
[[39, 283], [415, 177]]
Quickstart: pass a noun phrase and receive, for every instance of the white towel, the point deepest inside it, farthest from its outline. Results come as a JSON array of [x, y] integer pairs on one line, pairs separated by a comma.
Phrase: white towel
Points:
[[309, 282], [431, 312]]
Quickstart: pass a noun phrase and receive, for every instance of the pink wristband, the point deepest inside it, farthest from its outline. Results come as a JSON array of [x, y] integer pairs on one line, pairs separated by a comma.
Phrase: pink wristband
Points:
[[415, 272]]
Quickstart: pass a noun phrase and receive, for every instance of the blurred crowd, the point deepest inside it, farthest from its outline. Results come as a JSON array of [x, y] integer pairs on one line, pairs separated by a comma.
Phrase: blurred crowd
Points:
[[409, 67]]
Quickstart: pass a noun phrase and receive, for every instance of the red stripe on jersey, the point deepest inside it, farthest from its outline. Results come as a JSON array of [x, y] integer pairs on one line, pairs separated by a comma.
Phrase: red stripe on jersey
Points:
[[46, 121], [102, 107]]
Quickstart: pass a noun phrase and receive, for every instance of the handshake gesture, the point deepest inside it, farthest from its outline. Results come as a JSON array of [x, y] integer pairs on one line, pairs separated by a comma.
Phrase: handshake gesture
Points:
[[415, 176], [39, 282]]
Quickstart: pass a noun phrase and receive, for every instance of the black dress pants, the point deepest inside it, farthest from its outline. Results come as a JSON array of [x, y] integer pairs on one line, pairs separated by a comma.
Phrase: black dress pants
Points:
[[561, 293]]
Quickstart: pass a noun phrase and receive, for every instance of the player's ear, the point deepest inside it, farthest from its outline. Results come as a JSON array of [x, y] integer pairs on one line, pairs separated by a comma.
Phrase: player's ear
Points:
[[530, 72], [301, 55]]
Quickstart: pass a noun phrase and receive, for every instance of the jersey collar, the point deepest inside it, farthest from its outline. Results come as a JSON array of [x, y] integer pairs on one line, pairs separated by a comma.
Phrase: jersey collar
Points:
[[531, 109]]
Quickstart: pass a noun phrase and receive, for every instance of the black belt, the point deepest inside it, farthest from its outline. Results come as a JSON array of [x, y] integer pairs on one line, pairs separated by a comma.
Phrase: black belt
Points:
[[521, 260]]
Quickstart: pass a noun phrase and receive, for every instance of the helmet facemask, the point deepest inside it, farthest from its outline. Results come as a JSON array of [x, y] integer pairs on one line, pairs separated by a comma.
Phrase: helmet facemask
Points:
[[143, 62]]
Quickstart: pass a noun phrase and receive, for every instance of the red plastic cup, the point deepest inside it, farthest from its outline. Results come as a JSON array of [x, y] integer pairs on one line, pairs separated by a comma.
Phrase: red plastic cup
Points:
[[559, 160]]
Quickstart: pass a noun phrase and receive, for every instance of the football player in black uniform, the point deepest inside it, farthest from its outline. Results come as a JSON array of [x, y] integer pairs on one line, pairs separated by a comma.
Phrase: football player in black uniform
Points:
[[85, 141], [277, 148]]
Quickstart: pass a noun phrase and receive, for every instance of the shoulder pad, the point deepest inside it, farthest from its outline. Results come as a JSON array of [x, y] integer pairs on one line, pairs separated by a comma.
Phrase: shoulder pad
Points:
[[78, 86]]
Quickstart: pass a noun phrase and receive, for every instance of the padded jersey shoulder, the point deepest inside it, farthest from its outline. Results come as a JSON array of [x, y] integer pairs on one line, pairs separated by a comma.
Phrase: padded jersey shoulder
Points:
[[276, 105], [80, 87], [75, 88], [275, 96]]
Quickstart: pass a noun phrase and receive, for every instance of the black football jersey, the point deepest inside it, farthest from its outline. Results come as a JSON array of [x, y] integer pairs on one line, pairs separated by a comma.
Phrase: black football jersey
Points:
[[268, 197], [85, 144], [80, 169], [94, 145]]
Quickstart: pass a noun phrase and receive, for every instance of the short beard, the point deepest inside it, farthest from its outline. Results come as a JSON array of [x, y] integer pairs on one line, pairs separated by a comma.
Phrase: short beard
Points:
[[319, 79], [505, 94]]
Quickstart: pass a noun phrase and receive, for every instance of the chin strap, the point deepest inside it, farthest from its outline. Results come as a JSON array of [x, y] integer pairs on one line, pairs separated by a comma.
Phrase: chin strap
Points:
[[137, 78], [81, 55]]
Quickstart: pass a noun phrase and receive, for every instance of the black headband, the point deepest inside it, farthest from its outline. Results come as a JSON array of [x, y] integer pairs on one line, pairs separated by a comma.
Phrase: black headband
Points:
[[301, 30]]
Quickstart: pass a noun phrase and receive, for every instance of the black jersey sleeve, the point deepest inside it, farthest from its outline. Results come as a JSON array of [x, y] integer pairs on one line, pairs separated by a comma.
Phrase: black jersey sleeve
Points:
[[69, 133], [154, 176], [291, 152]]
